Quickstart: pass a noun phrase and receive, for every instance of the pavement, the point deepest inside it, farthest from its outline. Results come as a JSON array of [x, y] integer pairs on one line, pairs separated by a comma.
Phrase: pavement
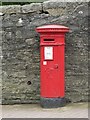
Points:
[[72, 110]]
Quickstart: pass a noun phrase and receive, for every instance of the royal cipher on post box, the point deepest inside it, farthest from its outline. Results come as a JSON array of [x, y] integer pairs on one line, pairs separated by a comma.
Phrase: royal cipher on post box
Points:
[[52, 64]]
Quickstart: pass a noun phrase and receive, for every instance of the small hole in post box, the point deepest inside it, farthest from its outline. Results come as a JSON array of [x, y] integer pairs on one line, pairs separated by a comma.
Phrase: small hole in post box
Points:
[[49, 40]]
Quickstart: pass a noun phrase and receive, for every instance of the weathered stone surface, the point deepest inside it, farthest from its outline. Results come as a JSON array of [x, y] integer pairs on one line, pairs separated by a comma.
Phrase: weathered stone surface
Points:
[[52, 5], [21, 50], [18, 34], [33, 7], [10, 9], [54, 8], [30, 41]]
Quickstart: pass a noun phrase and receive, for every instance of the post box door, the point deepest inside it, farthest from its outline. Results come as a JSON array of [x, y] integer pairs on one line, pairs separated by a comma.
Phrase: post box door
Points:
[[50, 71]]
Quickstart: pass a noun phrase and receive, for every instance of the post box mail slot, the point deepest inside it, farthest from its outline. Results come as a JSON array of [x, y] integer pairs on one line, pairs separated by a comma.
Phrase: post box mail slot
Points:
[[52, 84], [48, 40]]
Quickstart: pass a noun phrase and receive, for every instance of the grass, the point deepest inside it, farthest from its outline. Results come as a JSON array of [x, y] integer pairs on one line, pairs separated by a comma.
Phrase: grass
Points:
[[19, 2]]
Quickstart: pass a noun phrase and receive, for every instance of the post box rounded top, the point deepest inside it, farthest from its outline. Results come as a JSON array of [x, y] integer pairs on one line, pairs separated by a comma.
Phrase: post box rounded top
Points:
[[52, 28]]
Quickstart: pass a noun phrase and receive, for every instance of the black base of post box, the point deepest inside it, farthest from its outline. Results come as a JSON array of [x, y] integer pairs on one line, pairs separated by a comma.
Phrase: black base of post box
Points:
[[52, 102]]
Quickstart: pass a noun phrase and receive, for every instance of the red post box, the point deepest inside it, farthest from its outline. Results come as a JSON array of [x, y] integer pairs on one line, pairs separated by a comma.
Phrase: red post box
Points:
[[52, 43]]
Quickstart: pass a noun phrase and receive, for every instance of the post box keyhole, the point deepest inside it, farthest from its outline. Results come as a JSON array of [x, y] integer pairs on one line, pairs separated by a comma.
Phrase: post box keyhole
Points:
[[56, 66]]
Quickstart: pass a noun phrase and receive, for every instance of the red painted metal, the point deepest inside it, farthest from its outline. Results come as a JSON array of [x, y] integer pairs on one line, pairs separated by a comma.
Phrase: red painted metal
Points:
[[52, 43]]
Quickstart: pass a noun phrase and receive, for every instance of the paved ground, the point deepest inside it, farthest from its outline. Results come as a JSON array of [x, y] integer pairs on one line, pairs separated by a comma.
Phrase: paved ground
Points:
[[76, 110]]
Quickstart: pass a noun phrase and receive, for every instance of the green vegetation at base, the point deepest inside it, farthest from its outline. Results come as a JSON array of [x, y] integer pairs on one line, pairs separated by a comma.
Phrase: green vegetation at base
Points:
[[19, 2], [0, 3], [14, 3]]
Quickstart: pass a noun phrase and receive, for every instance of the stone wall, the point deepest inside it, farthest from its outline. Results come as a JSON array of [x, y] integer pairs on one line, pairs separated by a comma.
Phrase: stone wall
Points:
[[21, 55]]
